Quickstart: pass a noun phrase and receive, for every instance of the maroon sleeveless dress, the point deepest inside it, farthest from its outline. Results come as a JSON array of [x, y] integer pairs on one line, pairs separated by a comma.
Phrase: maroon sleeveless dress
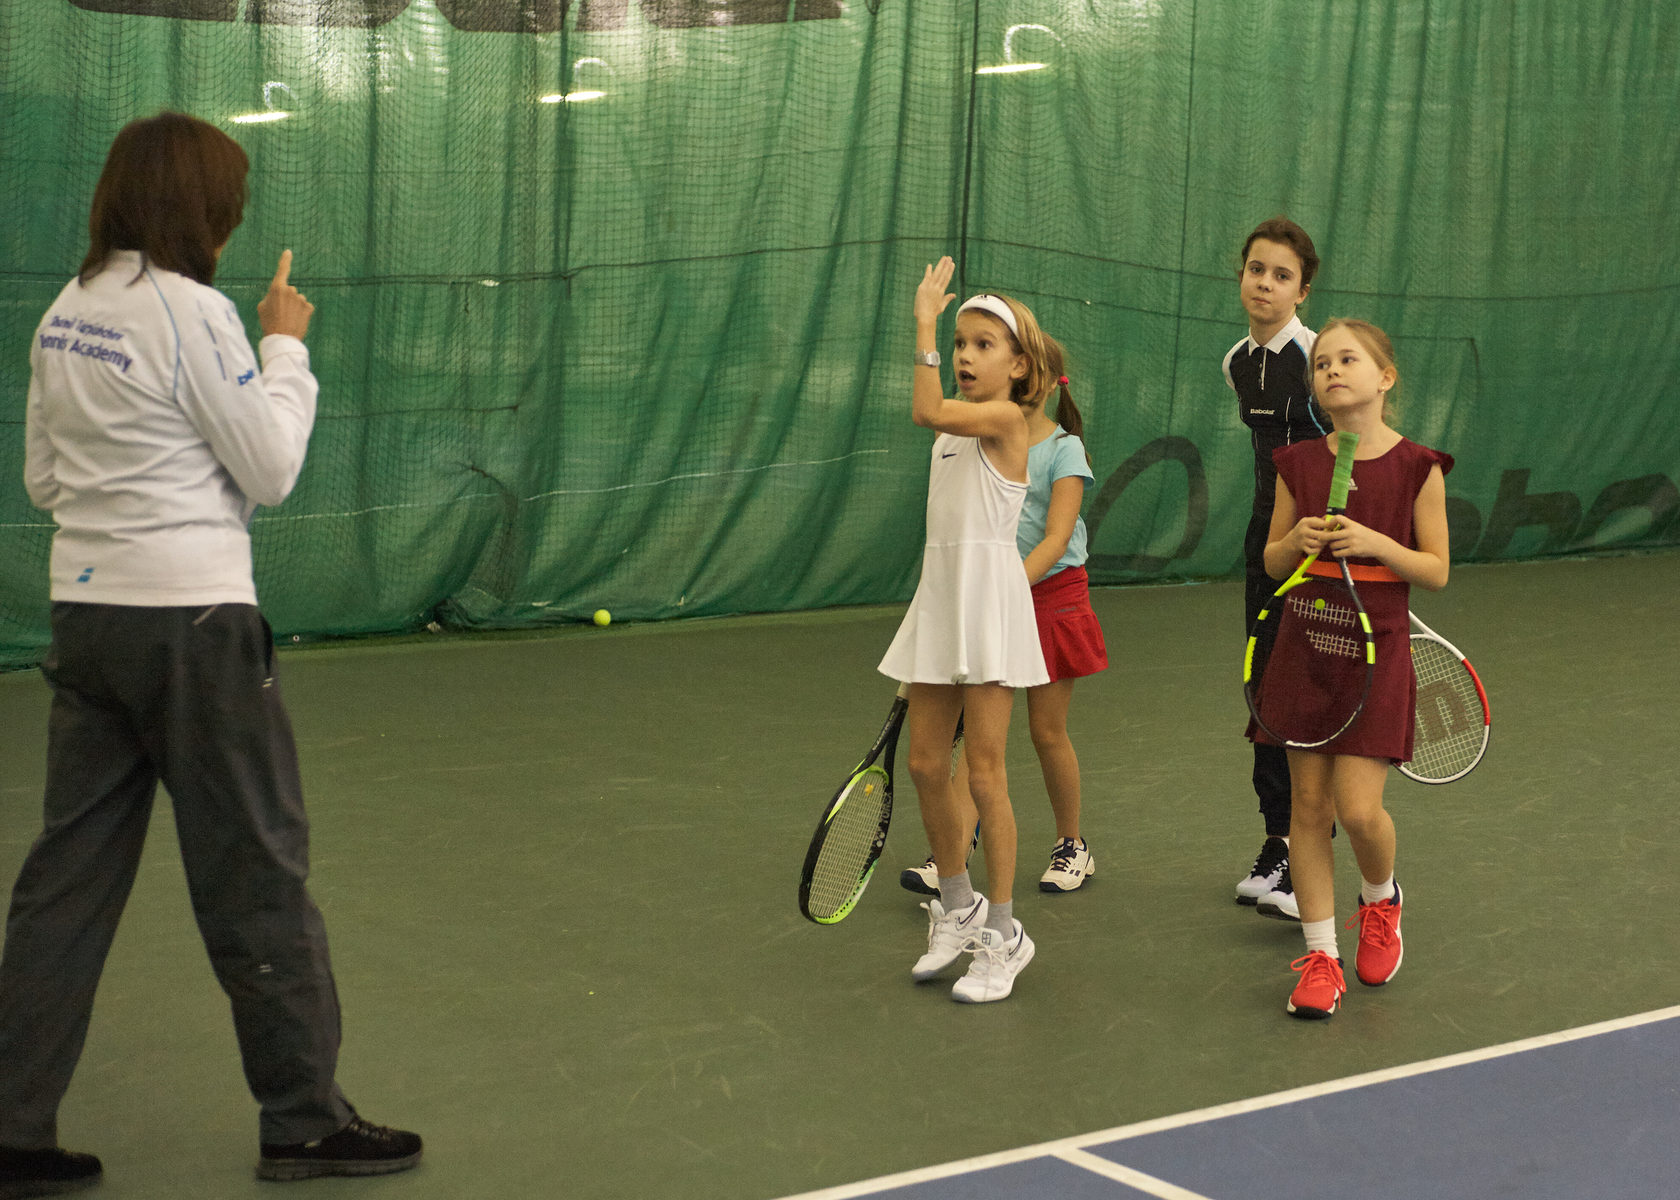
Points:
[[1383, 497]]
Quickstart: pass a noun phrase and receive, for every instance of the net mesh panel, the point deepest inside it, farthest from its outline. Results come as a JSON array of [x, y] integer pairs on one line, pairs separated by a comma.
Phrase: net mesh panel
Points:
[[1451, 724], [853, 841], [649, 351]]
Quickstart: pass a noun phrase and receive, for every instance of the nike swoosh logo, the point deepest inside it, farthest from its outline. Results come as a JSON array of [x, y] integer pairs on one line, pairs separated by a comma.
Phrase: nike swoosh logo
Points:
[[952, 454]]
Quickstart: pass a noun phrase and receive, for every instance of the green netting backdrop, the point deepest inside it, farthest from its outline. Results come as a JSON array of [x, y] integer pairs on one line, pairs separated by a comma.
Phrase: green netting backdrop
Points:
[[649, 350]]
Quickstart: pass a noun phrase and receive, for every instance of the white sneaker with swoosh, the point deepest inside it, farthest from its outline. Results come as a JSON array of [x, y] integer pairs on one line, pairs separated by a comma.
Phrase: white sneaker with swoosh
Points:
[[949, 935], [997, 960]]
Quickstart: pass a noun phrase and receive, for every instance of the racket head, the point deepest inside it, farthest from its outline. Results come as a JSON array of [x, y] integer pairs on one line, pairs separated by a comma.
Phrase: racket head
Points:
[[1307, 699], [1454, 722], [852, 831], [1312, 687]]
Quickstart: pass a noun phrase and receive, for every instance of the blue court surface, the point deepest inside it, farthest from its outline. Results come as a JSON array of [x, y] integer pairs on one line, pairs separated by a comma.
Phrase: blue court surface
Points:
[[1587, 1113]]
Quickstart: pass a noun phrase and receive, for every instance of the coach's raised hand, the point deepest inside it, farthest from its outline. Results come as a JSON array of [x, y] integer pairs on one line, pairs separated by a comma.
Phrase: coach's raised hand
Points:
[[284, 309]]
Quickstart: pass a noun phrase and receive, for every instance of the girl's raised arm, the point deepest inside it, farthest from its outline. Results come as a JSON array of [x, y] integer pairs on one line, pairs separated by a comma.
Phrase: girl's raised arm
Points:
[[929, 406], [927, 397]]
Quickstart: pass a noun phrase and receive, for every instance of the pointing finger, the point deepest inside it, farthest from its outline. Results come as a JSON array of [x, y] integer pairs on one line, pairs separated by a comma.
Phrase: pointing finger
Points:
[[284, 271]]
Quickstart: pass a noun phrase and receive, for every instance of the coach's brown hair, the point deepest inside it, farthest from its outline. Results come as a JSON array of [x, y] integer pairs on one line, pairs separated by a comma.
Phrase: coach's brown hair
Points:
[[174, 189]]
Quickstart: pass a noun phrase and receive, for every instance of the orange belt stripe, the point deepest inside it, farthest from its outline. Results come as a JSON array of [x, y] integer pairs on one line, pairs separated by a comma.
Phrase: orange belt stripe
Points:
[[1361, 572]]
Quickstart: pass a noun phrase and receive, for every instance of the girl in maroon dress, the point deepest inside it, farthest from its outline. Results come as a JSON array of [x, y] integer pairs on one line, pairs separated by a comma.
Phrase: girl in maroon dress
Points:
[[1394, 534]]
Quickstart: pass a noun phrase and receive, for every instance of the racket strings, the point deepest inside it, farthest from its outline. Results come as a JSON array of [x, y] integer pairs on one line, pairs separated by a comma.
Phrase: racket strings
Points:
[[1451, 726], [1322, 612], [1339, 645], [1315, 680], [1325, 622], [850, 844]]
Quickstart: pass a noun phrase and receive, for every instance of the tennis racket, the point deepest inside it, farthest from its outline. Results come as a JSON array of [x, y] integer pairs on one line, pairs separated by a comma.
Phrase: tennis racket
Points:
[[1309, 699], [1454, 720], [853, 828]]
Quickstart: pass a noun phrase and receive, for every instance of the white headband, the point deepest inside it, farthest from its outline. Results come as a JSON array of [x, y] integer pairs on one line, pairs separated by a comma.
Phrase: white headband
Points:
[[996, 306]]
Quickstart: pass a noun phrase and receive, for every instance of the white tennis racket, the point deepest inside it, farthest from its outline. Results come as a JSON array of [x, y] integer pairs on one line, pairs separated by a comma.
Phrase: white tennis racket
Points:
[[1453, 717]]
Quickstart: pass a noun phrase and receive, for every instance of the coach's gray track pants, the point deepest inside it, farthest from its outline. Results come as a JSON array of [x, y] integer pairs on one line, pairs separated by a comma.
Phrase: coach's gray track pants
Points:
[[186, 696]]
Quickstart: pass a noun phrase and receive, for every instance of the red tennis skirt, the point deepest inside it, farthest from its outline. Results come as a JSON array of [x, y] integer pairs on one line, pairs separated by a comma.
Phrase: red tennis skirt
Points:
[[1068, 630]]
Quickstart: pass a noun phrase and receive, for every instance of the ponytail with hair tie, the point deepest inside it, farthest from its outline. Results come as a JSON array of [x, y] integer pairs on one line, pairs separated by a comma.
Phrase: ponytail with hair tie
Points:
[[1067, 412]]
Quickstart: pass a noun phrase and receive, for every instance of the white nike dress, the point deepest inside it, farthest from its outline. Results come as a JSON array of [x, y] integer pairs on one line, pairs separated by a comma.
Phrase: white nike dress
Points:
[[971, 620]]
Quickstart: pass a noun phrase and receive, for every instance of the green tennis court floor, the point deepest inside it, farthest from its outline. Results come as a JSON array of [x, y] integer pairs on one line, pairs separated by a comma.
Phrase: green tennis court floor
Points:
[[559, 873]]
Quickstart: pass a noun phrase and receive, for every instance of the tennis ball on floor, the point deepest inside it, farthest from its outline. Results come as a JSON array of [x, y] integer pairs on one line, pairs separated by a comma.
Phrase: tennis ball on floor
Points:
[[1319, 603], [603, 617]]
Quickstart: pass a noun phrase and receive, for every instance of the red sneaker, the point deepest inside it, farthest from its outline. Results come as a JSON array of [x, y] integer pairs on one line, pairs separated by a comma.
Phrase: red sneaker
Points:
[[1321, 988], [1379, 940]]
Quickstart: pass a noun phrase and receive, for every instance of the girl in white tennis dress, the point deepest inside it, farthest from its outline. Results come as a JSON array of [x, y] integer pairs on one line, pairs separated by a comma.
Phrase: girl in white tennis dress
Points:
[[971, 636]]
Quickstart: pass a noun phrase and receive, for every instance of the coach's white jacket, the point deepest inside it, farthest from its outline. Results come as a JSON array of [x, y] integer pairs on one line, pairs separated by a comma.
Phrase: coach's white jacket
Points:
[[152, 436]]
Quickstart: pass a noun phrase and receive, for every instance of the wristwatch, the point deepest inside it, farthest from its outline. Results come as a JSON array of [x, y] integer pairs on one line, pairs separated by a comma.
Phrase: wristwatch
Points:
[[927, 358]]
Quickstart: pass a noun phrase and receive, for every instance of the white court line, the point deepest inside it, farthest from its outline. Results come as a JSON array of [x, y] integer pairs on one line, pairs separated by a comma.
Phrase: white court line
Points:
[[1072, 1149], [1130, 1176]]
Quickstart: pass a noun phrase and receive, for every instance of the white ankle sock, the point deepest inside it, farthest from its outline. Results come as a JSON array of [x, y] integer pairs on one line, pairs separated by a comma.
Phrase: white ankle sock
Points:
[[1321, 935], [1376, 893]]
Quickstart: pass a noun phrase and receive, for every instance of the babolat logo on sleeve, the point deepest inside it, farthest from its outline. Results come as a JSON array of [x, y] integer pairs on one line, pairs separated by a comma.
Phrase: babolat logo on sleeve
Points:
[[246, 377], [73, 336]]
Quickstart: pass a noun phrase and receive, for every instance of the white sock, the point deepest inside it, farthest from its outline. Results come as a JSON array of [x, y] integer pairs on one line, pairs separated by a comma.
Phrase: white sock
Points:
[[1321, 935], [1376, 893]]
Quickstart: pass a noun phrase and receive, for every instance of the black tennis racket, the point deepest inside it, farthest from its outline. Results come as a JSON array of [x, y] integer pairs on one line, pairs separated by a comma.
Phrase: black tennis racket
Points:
[[1454, 720], [1310, 690], [853, 829]]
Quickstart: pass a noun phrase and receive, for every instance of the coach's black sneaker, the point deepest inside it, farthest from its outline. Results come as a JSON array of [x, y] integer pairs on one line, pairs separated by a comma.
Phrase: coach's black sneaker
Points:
[[360, 1148], [45, 1172]]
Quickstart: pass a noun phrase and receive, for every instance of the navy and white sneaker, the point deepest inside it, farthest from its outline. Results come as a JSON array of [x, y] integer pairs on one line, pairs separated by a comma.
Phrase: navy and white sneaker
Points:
[[923, 880], [1280, 901], [1071, 865], [1269, 866]]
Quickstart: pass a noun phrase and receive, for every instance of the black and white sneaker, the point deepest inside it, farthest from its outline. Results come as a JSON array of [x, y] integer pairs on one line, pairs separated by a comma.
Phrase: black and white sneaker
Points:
[[46, 1172], [1280, 901], [923, 880], [1269, 866], [360, 1148], [1071, 865]]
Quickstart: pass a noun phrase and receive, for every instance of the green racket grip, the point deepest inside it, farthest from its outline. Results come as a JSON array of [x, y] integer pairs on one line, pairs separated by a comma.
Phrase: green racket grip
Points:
[[1342, 477]]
